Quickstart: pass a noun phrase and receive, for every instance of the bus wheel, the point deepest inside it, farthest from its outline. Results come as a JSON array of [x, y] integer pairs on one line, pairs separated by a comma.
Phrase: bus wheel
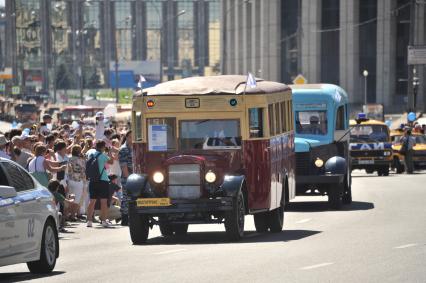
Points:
[[234, 219], [261, 222], [139, 227], [276, 218], [335, 196]]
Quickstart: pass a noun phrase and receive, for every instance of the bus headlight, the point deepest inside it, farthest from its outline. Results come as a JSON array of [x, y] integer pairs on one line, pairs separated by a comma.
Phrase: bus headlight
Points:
[[319, 162], [386, 153], [210, 177], [158, 177]]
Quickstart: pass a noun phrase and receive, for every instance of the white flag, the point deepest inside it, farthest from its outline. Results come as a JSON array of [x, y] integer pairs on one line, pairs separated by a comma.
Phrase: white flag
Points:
[[251, 81], [141, 80]]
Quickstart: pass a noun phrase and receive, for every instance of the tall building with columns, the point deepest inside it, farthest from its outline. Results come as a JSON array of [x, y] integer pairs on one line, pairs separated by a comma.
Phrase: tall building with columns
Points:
[[329, 41], [74, 44]]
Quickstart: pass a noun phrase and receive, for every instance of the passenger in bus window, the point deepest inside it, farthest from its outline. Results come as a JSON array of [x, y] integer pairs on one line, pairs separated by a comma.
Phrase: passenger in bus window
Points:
[[315, 127]]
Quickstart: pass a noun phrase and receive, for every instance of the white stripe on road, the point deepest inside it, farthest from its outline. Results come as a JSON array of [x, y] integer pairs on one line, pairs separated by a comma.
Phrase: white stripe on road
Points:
[[170, 252], [317, 266], [405, 246], [303, 221]]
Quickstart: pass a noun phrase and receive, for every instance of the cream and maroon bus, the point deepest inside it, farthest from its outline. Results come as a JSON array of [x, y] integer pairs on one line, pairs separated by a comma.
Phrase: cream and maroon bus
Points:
[[211, 150]]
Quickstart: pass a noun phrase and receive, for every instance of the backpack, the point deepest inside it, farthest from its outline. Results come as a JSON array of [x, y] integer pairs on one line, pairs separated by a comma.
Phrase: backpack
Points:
[[92, 169]]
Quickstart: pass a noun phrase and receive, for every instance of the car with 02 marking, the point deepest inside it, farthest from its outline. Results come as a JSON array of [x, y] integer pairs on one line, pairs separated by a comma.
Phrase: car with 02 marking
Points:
[[28, 220]]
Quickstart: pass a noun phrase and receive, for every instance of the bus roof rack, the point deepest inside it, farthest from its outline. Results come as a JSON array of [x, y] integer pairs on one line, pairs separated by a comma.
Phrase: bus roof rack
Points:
[[215, 85]]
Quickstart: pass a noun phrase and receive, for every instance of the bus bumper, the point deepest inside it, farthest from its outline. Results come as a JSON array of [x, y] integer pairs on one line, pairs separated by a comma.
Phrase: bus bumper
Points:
[[186, 206]]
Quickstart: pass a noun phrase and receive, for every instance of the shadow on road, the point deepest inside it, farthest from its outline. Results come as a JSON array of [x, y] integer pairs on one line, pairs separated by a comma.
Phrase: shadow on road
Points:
[[21, 276], [220, 238], [316, 206]]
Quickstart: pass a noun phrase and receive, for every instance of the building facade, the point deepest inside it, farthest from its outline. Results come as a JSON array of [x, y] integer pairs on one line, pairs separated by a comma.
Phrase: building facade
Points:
[[329, 41], [77, 44]]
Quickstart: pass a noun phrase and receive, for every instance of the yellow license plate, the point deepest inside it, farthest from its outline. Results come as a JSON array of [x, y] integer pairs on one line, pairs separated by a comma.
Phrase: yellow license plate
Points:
[[153, 202]]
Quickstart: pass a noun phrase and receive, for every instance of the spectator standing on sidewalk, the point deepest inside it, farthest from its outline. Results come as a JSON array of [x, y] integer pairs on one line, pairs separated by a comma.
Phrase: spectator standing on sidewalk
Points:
[[408, 141], [76, 178], [126, 163], [98, 189]]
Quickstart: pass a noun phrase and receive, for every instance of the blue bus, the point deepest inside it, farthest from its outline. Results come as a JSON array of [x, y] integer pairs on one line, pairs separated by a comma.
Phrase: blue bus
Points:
[[321, 118]]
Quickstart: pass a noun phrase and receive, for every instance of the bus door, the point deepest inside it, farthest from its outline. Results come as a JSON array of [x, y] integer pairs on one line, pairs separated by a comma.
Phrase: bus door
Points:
[[257, 158]]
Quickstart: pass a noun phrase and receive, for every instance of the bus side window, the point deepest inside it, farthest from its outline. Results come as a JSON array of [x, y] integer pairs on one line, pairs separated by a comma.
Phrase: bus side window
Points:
[[340, 118], [138, 125], [256, 122], [283, 117], [271, 119], [277, 119]]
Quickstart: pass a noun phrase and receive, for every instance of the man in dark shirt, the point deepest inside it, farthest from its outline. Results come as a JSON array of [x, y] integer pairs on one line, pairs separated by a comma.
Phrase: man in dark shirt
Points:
[[126, 164]]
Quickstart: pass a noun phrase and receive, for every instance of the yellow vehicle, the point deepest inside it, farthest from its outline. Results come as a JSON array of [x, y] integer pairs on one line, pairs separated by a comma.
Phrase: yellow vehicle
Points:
[[419, 157], [370, 146]]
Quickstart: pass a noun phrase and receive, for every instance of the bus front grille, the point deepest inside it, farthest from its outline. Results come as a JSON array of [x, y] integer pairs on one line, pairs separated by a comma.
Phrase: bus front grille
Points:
[[184, 181], [302, 163]]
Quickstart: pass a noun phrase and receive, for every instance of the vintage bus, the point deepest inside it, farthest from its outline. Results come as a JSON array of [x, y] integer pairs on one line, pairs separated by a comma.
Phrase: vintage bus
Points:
[[208, 151], [322, 149]]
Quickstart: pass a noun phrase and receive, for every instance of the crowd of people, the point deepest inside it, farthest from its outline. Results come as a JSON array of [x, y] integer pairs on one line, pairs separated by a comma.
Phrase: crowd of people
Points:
[[85, 167]]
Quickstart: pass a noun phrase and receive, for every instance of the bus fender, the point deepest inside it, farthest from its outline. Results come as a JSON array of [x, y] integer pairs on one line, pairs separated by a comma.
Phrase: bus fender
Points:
[[336, 165], [232, 185], [136, 184]]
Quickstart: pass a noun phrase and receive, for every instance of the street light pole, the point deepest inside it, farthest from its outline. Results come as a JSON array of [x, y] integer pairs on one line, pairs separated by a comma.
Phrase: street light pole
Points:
[[365, 74], [416, 84]]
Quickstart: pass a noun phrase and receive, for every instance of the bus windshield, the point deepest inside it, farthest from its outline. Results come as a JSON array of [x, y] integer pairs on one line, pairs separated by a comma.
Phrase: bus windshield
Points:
[[209, 134], [369, 133], [311, 122]]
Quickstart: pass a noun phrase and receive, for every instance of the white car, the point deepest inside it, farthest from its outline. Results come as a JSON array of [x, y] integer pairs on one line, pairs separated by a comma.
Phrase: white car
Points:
[[28, 220]]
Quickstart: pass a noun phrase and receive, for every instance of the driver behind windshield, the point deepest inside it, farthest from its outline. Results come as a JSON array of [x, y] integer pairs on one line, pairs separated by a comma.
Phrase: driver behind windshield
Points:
[[315, 127], [218, 137]]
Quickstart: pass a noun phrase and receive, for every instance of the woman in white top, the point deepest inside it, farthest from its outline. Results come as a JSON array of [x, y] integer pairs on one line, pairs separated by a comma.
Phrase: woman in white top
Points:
[[39, 165], [114, 168]]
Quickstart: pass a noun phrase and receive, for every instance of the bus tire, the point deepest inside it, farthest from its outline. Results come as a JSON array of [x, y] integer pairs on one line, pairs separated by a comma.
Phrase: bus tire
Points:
[[335, 196], [234, 219], [138, 227], [276, 217], [261, 222]]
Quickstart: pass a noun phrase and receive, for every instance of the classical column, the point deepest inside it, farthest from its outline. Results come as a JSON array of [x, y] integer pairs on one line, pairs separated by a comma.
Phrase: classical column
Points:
[[386, 52], [271, 26], [420, 39], [311, 40], [349, 50], [46, 33]]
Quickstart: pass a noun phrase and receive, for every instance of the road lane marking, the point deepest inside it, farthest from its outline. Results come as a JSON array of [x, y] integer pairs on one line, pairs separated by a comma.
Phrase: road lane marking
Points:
[[170, 252], [406, 246], [303, 221], [316, 265]]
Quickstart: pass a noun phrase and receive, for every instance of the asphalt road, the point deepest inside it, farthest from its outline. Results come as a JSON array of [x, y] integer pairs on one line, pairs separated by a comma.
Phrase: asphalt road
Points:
[[379, 238]]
